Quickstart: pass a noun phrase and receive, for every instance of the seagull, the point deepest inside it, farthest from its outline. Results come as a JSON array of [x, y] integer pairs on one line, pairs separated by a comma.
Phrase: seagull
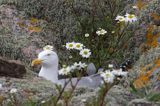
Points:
[[48, 59]]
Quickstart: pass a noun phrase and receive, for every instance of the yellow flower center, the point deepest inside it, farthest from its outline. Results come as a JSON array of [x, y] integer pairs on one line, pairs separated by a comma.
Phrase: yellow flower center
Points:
[[101, 31], [107, 75], [78, 46], [47, 48], [85, 52], [70, 45], [131, 16], [120, 19]]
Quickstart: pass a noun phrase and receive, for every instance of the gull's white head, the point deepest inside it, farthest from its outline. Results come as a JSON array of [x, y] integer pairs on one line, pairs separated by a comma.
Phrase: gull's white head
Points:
[[48, 59]]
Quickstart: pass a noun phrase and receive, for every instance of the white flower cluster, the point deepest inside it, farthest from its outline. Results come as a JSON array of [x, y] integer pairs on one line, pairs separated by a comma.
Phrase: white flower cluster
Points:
[[127, 18], [86, 35], [48, 47], [134, 7], [119, 72], [73, 45], [43, 101], [76, 66], [65, 71], [109, 76], [13, 90], [78, 46], [101, 31], [110, 65]]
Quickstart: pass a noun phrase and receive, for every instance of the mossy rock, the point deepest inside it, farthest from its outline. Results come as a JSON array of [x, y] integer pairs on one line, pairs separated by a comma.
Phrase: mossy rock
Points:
[[152, 7], [30, 89]]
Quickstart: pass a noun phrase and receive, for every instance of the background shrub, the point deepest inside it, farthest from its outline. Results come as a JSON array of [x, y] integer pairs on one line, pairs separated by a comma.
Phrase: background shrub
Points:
[[69, 18]]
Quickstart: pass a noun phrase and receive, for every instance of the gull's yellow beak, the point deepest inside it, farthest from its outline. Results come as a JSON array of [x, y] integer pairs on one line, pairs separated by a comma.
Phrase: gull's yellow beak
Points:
[[36, 62]]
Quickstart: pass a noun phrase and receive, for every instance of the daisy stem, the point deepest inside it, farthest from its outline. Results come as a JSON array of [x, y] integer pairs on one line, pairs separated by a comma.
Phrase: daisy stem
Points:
[[60, 94], [106, 88], [72, 91], [104, 95]]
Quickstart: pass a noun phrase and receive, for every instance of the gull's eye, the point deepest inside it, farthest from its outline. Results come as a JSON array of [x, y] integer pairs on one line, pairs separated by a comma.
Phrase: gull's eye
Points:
[[48, 54]]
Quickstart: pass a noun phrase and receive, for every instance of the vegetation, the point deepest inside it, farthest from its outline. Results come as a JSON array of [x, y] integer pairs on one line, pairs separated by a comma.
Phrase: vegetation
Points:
[[99, 32]]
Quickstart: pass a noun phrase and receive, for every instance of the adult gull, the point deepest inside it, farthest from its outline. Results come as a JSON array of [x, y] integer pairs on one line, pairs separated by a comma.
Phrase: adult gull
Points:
[[49, 70]]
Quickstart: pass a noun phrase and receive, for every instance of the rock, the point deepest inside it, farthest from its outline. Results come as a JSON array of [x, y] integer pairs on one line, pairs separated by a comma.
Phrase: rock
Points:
[[31, 89], [83, 95], [142, 102], [11, 68], [91, 69], [117, 96], [19, 41]]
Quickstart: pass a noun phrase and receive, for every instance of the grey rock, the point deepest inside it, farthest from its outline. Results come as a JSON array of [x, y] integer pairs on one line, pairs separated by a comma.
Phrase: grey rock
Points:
[[142, 102], [91, 69], [117, 96], [37, 89]]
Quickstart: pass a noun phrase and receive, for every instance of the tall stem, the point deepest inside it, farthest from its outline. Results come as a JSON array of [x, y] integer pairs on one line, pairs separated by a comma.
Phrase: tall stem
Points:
[[72, 91], [60, 94], [104, 95]]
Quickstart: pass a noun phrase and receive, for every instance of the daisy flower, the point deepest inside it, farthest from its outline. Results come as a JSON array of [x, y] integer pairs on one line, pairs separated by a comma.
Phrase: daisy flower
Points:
[[119, 72], [120, 18], [110, 65], [85, 53], [101, 32], [70, 57], [86, 35], [78, 66], [134, 7], [107, 76], [43, 101], [48, 47], [83, 100], [130, 18], [70, 45], [78, 46], [113, 32], [65, 71], [13, 90]]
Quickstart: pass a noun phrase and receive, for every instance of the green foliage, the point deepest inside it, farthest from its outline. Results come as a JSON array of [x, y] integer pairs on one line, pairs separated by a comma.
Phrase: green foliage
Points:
[[71, 19], [93, 102], [8, 47], [29, 103], [39, 8], [111, 46], [154, 96], [71, 22], [152, 7], [139, 93]]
